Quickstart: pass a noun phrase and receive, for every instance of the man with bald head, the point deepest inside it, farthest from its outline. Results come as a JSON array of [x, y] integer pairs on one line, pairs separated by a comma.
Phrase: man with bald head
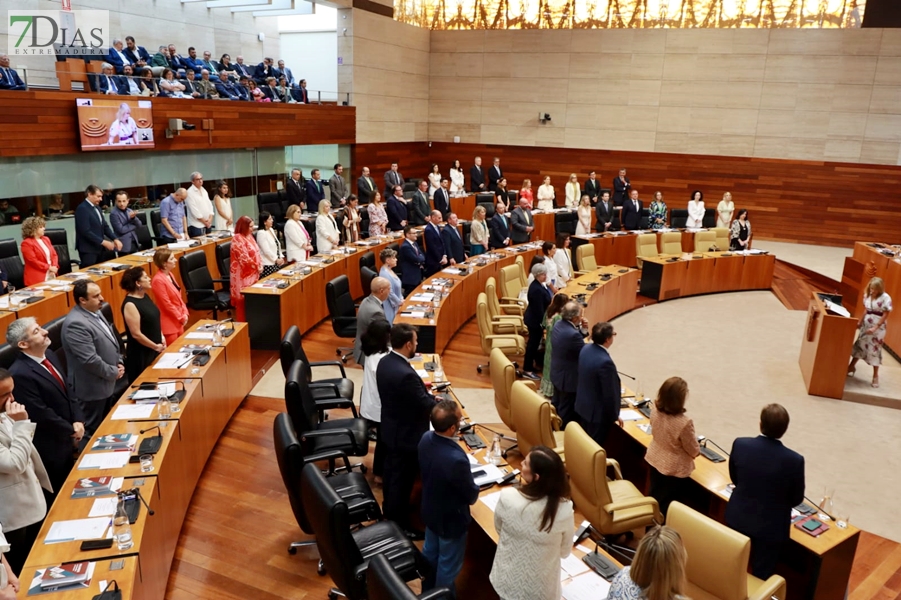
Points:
[[435, 252], [566, 344], [370, 310], [521, 222], [9, 79]]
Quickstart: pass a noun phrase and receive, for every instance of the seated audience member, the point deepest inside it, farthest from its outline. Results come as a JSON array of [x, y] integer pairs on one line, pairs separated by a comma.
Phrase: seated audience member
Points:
[[284, 92], [256, 94], [106, 82], [161, 58], [147, 84], [243, 88], [537, 515], [375, 344], [8, 212], [209, 64], [191, 88], [138, 55], [169, 86], [9, 79], [246, 264], [173, 217], [9, 583], [191, 62], [127, 83], [263, 71], [22, 477], [225, 64], [56, 206], [38, 253], [769, 482], [270, 89], [227, 89], [658, 570], [301, 94], [286, 73], [117, 56], [167, 293], [143, 333], [125, 224], [176, 60], [241, 69], [206, 86]]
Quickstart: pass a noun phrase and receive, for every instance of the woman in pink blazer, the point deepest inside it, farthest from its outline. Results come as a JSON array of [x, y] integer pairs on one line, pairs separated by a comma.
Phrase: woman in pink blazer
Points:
[[167, 294], [41, 261]]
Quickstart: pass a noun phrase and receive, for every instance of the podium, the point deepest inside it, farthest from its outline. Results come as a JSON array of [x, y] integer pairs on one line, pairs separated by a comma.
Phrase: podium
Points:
[[826, 349]]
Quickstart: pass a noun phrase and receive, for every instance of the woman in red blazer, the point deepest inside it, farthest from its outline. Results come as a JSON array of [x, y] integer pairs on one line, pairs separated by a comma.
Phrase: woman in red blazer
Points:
[[41, 262], [167, 294]]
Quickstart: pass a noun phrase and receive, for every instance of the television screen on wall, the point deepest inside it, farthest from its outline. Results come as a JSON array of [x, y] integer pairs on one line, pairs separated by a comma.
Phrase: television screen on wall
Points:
[[115, 123]]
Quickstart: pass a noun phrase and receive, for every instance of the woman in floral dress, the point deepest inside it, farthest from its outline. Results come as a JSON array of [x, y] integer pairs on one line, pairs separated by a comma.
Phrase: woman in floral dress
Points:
[[550, 319], [871, 329], [378, 218], [657, 210]]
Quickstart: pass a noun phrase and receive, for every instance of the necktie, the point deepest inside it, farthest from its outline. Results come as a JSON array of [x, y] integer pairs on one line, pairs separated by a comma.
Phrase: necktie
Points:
[[369, 181], [635, 203], [109, 84], [49, 366]]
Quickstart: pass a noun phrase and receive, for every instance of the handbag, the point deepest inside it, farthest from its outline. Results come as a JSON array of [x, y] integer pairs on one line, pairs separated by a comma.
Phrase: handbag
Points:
[[112, 592]]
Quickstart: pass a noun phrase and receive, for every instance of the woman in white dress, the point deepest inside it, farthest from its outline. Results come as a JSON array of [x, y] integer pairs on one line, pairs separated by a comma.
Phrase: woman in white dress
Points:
[[549, 250], [434, 180], [375, 343], [695, 210], [223, 218], [573, 191], [871, 329], [270, 248], [724, 211], [457, 180], [297, 239], [537, 516], [583, 227], [563, 258], [327, 236], [546, 195]]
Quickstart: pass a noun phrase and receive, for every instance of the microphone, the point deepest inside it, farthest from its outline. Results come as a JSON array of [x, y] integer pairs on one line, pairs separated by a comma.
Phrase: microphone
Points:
[[705, 440], [151, 444], [157, 427], [230, 330], [137, 493], [629, 376]]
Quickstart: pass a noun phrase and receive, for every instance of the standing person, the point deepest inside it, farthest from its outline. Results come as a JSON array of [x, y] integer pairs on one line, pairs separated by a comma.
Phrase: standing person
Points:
[[526, 191], [327, 236], [92, 355], [478, 232], [38, 253], [371, 309], [453, 241], [296, 187], [435, 252], [548, 251], [22, 477], [419, 207], [223, 219], [457, 180], [522, 222], [871, 329], [246, 264], [621, 185], [551, 317], [657, 212], [495, 174], [674, 446], [573, 192], [411, 260], [396, 296], [167, 293], [441, 198], [724, 211], [476, 176], [94, 239], [583, 227], [393, 178], [375, 344], [499, 228], [199, 207], [144, 336], [337, 186], [448, 490], [632, 212], [501, 194], [298, 244], [406, 407], [41, 389], [378, 218], [769, 482], [740, 234], [173, 217], [270, 247], [396, 209], [563, 258], [565, 336], [125, 224], [598, 392], [538, 515], [604, 211], [658, 570], [434, 180], [366, 187], [350, 219], [695, 210], [539, 299], [315, 192], [592, 188], [546, 195]]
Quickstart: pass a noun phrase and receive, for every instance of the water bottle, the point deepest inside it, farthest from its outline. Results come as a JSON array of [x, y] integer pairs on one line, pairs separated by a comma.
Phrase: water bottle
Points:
[[121, 526], [494, 453], [217, 336]]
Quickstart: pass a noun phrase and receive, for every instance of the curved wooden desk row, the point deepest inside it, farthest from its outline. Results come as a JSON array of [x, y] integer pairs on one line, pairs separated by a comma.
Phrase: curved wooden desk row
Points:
[[619, 248], [887, 261], [674, 276], [213, 394]]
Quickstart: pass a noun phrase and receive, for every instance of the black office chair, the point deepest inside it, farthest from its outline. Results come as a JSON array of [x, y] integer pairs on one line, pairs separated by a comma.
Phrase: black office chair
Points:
[[156, 224], [709, 219], [342, 312], [367, 259], [467, 244], [13, 268], [411, 185], [366, 277], [330, 393], [60, 240], [267, 198], [384, 583], [489, 209], [8, 355], [55, 332], [145, 239], [351, 487], [364, 222], [9, 248], [199, 285], [224, 260], [645, 221], [346, 553], [350, 436], [678, 217], [565, 222]]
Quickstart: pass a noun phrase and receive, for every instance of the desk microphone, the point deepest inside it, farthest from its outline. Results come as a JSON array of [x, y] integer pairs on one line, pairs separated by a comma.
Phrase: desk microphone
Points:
[[704, 441], [629, 376], [151, 444], [137, 494], [157, 427], [230, 330]]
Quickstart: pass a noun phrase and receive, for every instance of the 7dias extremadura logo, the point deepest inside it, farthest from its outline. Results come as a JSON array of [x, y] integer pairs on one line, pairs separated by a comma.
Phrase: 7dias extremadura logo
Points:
[[48, 32]]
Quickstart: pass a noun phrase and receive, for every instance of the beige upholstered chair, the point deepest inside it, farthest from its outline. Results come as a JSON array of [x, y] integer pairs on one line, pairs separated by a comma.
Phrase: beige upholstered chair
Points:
[[523, 275], [508, 310], [503, 374], [511, 344], [611, 506], [671, 243], [717, 567], [704, 240], [533, 419], [722, 237], [585, 258], [645, 245], [511, 283]]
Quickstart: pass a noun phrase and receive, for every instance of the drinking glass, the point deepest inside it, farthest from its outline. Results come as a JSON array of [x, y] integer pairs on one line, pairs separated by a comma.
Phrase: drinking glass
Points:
[[146, 463], [826, 505], [164, 408], [173, 406]]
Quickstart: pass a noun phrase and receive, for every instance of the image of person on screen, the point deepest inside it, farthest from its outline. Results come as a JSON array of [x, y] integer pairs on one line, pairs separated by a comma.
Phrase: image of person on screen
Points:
[[123, 128]]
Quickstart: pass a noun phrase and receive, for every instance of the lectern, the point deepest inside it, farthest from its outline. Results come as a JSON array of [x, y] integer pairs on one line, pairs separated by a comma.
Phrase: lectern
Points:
[[826, 349]]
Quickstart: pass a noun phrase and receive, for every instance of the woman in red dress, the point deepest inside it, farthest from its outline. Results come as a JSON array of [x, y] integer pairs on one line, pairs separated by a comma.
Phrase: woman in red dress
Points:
[[246, 264]]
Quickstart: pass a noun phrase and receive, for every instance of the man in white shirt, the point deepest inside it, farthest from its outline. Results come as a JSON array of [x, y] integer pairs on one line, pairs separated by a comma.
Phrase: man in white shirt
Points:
[[200, 208]]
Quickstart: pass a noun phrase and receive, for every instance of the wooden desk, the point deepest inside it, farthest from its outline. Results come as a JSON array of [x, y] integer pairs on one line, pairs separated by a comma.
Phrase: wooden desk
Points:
[[6, 318], [675, 276], [886, 264]]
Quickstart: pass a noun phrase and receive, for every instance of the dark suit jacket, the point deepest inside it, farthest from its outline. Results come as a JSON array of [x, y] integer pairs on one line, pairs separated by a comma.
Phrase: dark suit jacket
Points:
[[262, 72], [419, 208], [592, 189], [240, 69], [441, 202], [410, 259], [125, 229], [103, 84], [296, 191], [191, 87], [539, 299], [620, 190], [448, 488], [396, 211], [391, 179], [122, 83], [364, 191], [453, 243], [598, 390], [434, 250], [494, 175], [140, 54], [631, 218], [499, 230], [406, 404], [51, 409], [115, 60], [315, 194], [519, 223], [13, 82], [476, 179], [604, 215], [769, 481], [90, 229], [566, 344], [226, 89]]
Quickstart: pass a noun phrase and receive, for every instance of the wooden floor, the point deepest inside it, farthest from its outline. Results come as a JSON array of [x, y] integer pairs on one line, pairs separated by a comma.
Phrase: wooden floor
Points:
[[233, 544]]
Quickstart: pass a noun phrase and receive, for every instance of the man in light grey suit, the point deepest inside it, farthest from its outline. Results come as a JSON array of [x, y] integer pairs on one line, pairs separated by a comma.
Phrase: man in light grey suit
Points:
[[522, 222], [338, 188], [92, 355], [370, 310]]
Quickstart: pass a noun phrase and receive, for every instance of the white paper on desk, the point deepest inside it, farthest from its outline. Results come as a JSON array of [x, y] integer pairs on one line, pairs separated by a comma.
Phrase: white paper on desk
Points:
[[573, 566], [589, 586], [415, 314], [104, 460], [627, 414], [491, 500], [167, 388], [173, 360], [77, 529], [473, 461], [179, 245], [422, 373], [427, 297], [492, 474], [451, 271], [104, 507], [125, 412]]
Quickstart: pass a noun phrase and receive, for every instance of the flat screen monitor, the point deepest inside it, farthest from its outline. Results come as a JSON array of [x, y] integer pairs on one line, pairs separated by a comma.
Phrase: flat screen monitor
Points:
[[115, 123]]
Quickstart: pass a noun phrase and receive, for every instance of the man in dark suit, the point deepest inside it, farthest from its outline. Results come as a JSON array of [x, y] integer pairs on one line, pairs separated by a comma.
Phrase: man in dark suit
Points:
[[365, 187], [621, 187], [598, 391], [441, 198], [453, 242], [499, 228], [476, 177], [9, 79], [315, 191], [592, 188], [632, 212], [297, 192], [566, 344], [494, 175], [93, 237], [435, 253], [117, 56], [107, 81], [539, 299], [125, 224], [300, 93], [137, 54], [769, 482], [371, 309], [396, 210], [604, 212], [411, 261], [419, 207], [227, 89], [406, 406], [241, 69], [522, 222], [448, 490], [192, 88], [41, 389], [393, 177], [263, 71]]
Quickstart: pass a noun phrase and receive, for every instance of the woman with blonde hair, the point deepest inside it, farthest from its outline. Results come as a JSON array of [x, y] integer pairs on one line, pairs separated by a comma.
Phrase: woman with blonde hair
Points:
[[546, 195], [724, 211], [297, 239], [526, 191], [658, 570], [573, 191], [583, 227], [327, 236], [478, 232], [871, 329], [123, 129]]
